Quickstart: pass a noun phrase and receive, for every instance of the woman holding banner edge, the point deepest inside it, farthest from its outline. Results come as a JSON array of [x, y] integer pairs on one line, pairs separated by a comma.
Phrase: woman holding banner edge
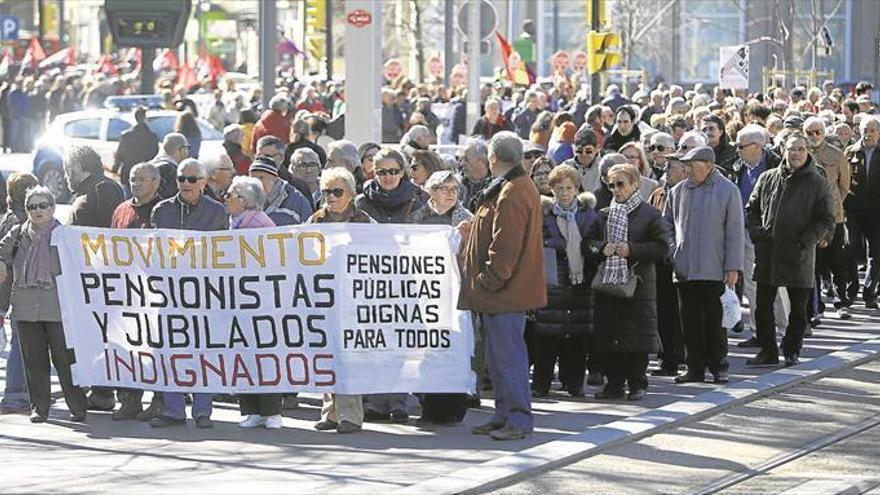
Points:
[[341, 412]]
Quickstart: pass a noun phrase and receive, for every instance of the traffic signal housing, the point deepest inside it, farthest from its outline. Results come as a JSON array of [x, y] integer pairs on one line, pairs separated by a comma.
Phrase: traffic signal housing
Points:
[[316, 15], [599, 54]]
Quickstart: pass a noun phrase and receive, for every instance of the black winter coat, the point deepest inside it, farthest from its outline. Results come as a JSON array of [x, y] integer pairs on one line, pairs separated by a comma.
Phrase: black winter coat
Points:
[[137, 144], [97, 197], [630, 325], [787, 214]]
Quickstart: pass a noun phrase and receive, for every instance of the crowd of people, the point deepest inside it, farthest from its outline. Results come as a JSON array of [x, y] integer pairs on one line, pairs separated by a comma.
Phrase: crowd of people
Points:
[[593, 236]]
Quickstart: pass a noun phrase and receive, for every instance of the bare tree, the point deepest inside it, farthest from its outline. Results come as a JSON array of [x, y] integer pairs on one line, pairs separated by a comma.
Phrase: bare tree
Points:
[[643, 32]]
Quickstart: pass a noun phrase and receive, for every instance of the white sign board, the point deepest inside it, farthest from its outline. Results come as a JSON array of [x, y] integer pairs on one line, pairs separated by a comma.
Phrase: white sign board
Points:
[[734, 73]]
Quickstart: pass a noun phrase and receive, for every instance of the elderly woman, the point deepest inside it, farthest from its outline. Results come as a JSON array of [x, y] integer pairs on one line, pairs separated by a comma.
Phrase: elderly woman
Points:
[[629, 238], [443, 208], [15, 395], [35, 308], [561, 330], [343, 153], [635, 155], [305, 165], [541, 173], [340, 412], [626, 129], [424, 163]]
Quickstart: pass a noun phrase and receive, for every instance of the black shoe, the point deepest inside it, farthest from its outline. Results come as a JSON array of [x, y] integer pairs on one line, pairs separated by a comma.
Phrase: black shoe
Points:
[[153, 411], [472, 401], [595, 379], [399, 417], [691, 377], [637, 394], [326, 425], [575, 391], [750, 342], [606, 394], [808, 332], [738, 328], [347, 427], [792, 360], [163, 421], [39, 417], [720, 376], [101, 402], [664, 371], [815, 322], [376, 416], [78, 417], [128, 411], [844, 314], [539, 393], [204, 422], [763, 359], [871, 304]]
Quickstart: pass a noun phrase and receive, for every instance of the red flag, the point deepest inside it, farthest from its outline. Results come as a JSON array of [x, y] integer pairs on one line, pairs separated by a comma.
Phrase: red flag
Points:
[[5, 63], [34, 55], [65, 56], [168, 61], [506, 51], [105, 64], [186, 77]]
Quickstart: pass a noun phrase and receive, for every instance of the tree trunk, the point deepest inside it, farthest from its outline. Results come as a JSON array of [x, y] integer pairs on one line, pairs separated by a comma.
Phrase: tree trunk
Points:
[[418, 33]]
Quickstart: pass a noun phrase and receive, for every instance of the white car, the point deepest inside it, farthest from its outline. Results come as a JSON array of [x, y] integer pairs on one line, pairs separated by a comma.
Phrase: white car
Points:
[[100, 129]]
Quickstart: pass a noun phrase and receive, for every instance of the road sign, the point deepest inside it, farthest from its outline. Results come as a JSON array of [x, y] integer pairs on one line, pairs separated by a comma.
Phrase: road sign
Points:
[[359, 18], [393, 69], [560, 61], [734, 73], [9, 27], [435, 66], [488, 18]]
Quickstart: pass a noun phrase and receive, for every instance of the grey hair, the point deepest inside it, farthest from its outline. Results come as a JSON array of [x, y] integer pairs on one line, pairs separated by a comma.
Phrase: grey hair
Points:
[[346, 151], [250, 190], [752, 133], [814, 121], [867, 119], [507, 148], [693, 135], [278, 103], [192, 162], [173, 141], [664, 139], [341, 174], [417, 131], [391, 154], [84, 158], [39, 192], [217, 161], [610, 160], [306, 155], [476, 148], [150, 169], [441, 177]]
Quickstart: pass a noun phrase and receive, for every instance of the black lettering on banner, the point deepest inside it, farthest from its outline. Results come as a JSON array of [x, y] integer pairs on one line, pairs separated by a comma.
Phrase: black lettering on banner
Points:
[[237, 336], [328, 291], [102, 324], [423, 338], [285, 327], [273, 333], [243, 283], [316, 330], [139, 340], [364, 338], [88, 281], [300, 292], [177, 327], [151, 281], [109, 289], [196, 301], [276, 287]]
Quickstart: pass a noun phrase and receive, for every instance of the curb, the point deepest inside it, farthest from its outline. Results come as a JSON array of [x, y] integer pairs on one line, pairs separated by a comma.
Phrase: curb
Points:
[[509, 469]]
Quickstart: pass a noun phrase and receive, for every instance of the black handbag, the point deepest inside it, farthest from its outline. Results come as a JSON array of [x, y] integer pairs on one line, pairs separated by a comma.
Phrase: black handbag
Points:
[[625, 290]]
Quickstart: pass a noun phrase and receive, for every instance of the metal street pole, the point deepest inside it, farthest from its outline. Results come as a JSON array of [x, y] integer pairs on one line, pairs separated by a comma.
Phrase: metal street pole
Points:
[[147, 75], [540, 46], [448, 36], [594, 78], [363, 56], [41, 11], [61, 43], [473, 103], [328, 28], [268, 59]]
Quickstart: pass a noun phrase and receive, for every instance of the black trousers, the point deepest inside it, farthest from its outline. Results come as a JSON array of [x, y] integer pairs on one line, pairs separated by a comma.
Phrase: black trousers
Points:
[[766, 323], [444, 408], [834, 261], [570, 350], [262, 404], [704, 338], [866, 225], [626, 369], [38, 341], [669, 320]]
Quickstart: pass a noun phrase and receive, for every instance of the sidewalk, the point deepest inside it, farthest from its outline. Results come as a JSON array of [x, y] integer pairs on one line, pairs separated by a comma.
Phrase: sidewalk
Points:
[[103, 455]]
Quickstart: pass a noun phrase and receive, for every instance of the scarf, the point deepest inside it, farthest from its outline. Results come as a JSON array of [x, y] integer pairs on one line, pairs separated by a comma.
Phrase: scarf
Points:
[[565, 220], [617, 230], [394, 199], [37, 262]]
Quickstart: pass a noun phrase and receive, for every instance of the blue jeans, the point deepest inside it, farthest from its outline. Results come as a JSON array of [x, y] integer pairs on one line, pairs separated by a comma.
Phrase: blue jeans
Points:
[[16, 393], [508, 363], [176, 408]]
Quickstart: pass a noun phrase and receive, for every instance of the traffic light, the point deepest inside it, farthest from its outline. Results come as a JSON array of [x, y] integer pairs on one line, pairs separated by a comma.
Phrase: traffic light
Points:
[[601, 13], [316, 46], [599, 57], [316, 15]]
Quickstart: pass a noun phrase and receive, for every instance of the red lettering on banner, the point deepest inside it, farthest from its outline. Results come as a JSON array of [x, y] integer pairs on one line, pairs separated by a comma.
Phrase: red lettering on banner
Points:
[[164, 369], [107, 362], [277, 368], [324, 372], [305, 367], [239, 370], [190, 373], [144, 379], [128, 365], [220, 370]]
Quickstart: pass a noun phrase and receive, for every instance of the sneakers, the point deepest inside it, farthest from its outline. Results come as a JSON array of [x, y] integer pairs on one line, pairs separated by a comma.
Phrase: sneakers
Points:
[[204, 422], [750, 342], [37, 417], [153, 411], [763, 359], [843, 314], [720, 376], [252, 421], [486, 428], [792, 360], [274, 422], [347, 427], [399, 417], [691, 377], [508, 433]]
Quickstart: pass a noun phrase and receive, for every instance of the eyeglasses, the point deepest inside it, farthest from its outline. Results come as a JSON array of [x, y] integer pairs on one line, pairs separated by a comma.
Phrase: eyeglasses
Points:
[[534, 155], [186, 147], [616, 185], [744, 146], [336, 192], [814, 132], [307, 166], [229, 196], [138, 180], [657, 147], [44, 205], [192, 179], [446, 189], [382, 172], [585, 151]]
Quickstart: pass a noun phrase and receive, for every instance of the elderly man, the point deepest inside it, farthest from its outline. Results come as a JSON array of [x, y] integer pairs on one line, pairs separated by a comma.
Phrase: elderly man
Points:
[[707, 213], [175, 149], [833, 258], [300, 138], [754, 160], [525, 115], [273, 122], [220, 173], [135, 214], [285, 204], [661, 144], [586, 158], [502, 277], [790, 212], [475, 174], [343, 153], [189, 209], [273, 148], [305, 165], [863, 208]]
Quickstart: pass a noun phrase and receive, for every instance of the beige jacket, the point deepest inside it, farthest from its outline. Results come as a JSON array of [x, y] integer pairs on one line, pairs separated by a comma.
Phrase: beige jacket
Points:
[[837, 173]]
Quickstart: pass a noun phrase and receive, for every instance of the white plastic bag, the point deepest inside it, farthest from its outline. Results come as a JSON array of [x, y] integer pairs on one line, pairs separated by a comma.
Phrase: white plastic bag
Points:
[[731, 314]]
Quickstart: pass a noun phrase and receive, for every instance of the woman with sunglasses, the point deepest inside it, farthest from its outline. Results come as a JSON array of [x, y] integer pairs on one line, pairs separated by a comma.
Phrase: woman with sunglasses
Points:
[[341, 412], [389, 198], [35, 307], [629, 237]]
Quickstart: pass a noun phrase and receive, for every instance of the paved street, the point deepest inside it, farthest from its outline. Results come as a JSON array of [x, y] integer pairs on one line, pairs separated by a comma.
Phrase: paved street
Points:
[[103, 456]]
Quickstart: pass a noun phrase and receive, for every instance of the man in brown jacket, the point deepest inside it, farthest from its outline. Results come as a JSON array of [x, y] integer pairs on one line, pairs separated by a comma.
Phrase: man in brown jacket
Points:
[[503, 276], [834, 257]]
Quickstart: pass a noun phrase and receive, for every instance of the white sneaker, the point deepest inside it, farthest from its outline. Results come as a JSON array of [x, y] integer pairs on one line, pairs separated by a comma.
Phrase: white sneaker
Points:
[[272, 422], [251, 421]]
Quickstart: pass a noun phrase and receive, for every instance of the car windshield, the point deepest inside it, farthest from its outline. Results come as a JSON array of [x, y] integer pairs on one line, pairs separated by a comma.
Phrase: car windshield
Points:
[[164, 124]]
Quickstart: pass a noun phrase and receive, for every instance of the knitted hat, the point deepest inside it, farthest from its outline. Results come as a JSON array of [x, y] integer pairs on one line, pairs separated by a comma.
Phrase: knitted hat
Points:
[[263, 163]]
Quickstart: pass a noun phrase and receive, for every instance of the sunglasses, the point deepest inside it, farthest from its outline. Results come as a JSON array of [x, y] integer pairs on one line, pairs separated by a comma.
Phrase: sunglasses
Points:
[[657, 147], [39, 206], [534, 155], [382, 172], [336, 192], [683, 147], [192, 179], [616, 185]]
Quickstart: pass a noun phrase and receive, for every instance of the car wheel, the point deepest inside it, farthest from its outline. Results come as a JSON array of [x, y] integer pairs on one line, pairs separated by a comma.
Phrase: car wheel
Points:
[[52, 176]]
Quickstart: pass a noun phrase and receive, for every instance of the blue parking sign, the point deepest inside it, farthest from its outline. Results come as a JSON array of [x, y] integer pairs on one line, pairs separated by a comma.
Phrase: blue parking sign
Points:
[[9, 27]]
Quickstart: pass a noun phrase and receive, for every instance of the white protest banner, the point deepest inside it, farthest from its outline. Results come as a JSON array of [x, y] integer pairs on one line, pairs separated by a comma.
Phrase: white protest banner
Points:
[[345, 308], [734, 72]]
